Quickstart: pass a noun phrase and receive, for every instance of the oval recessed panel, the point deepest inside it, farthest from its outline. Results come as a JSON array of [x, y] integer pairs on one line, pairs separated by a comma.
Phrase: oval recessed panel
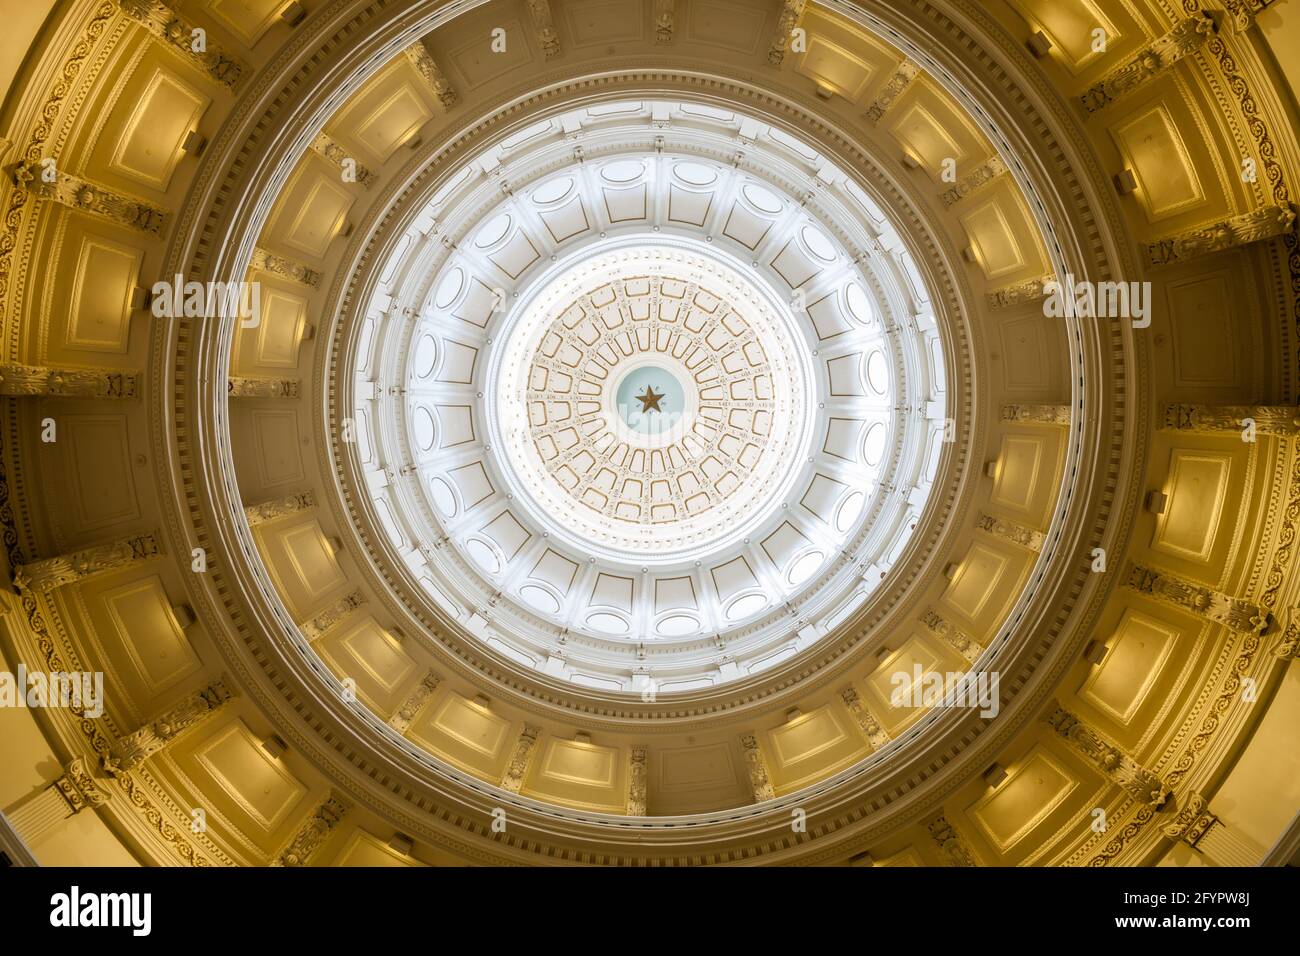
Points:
[[450, 288], [624, 171], [677, 625], [761, 199], [878, 372], [539, 598], [607, 623], [443, 498], [695, 174], [553, 191], [483, 556], [873, 446], [745, 606], [859, 304], [426, 353], [422, 422], [818, 244], [494, 231], [846, 515]]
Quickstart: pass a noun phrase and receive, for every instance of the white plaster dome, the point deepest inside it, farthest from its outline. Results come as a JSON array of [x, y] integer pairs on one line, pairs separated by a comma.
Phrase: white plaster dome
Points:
[[759, 297]]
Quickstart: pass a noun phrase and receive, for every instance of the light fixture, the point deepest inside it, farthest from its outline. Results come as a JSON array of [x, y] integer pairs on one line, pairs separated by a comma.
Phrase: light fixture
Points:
[[950, 571], [183, 614], [995, 775], [401, 844], [991, 469], [194, 142], [792, 713], [1157, 501], [1126, 182], [293, 13], [582, 737], [910, 161], [1095, 652], [275, 746], [1038, 44]]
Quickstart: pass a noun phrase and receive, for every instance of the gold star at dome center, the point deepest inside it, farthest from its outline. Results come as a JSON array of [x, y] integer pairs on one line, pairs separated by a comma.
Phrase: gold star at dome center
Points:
[[650, 400]]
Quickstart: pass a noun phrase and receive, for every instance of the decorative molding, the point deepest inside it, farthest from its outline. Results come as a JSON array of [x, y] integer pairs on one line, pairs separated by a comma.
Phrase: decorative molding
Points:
[[19, 381], [518, 766], [786, 21], [951, 844], [315, 628], [280, 507], [85, 196], [664, 20], [1123, 770], [326, 147], [1193, 821], [1258, 225], [78, 788], [1231, 612], [867, 722], [963, 643], [985, 173], [171, 29], [1010, 531], [247, 387], [1186, 37], [45, 575], [544, 25], [900, 80], [1031, 290], [637, 774], [1242, 13], [759, 781], [1209, 419], [314, 831], [415, 702], [1036, 414], [428, 68], [285, 268], [137, 747]]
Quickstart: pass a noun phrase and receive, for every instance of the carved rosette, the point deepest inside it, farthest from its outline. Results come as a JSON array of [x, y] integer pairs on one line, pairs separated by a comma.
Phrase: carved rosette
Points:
[[1037, 414], [540, 13], [414, 703], [1234, 613], [985, 173], [243, 387], [959, 640], [758, 779], [44, 576], [133, 749], [432, 74], [664, 21], [868, 724], [1122, 769], [285, 268], [1032, 290], [169, 27], [1010, 531], [29, 380], [518, 766], [336, 612], [80, 194], [950, 842], [280, 507], [1186, 37], [1266, 222], [902, 78], [637, 783], [1209, 419], [313, 832], [787, 20]]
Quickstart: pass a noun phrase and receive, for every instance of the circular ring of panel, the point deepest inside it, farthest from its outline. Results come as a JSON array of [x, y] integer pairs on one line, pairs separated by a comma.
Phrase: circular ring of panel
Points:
[[652, 402], [491, 281]]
